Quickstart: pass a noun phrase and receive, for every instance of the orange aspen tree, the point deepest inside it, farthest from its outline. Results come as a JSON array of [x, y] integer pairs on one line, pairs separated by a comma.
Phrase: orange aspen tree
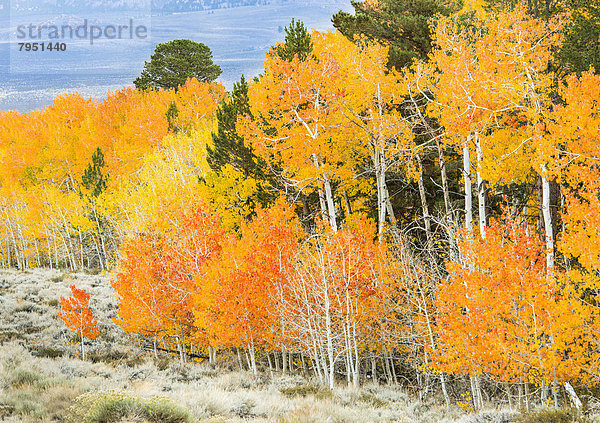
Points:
[[499, 314], [192, 247], [237, 297], [492, 90], [491, 93], [574, 154], [156, 275], [140, 291], [78, 316]]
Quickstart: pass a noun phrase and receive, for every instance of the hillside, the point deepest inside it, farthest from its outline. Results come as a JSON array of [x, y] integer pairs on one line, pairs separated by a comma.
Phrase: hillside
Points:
[[42, 375], [389, 231], [157, 6]]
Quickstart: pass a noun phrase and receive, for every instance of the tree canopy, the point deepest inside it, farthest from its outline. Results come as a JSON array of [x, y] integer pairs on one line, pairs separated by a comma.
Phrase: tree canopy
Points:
[[403, 24], [174, 62]]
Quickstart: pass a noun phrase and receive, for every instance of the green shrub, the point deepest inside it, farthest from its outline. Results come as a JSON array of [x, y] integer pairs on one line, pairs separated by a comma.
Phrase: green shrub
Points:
[[54, 302], [552, 415], [24, 377], [305, 390], [371, 400], [160, 409], [109, 356], [112, 407], [49, 352]]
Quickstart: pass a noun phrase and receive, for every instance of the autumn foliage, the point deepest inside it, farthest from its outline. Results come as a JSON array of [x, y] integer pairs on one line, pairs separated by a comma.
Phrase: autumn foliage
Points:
[[347, 245], [77, 315], [501, 315]]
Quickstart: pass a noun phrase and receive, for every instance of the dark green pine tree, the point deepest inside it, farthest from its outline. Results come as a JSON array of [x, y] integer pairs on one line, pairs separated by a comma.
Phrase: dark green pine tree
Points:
[[93, 179], [538, 8], [297, 42], [174, 62], [403, 24], [581, 46], [228, 145], [171, 115]]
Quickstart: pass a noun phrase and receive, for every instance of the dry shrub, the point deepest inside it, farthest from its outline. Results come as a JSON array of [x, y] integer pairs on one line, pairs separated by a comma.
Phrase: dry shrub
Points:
[[306, 390], [552, 415], [112, 407]]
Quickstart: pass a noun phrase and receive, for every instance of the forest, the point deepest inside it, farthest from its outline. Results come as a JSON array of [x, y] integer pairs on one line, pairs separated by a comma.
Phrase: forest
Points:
[[410, 199]]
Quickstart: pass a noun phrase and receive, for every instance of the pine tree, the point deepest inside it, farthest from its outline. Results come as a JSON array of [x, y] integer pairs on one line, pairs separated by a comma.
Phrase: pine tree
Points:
[[171, 115], [174, 62], [581, 46], [93, 179], [297, 42], [403, 24], [229, 146]]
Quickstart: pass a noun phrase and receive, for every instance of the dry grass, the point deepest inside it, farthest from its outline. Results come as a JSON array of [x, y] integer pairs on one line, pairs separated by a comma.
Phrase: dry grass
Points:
[[41, 376]]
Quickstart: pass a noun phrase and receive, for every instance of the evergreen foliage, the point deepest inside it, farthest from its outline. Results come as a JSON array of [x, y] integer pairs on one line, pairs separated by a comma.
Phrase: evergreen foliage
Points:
[[403, 24], [228, 146], [174, 62], [297, 42], [93, 179], [581, 47], [171, 115]]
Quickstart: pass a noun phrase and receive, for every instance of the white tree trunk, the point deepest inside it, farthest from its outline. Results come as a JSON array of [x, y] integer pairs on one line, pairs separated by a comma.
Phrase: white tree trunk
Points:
[[323, 204], [468, 187], [573, 396], [326, 197], [547, 223], [382, 192], [81, 338], [252, 358], [330, 204], [356, 369], [330, 353], [480, 189]]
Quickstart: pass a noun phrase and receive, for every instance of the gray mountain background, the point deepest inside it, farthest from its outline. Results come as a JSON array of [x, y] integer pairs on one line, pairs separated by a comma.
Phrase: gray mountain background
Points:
[[238, 32], [158, 6]]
